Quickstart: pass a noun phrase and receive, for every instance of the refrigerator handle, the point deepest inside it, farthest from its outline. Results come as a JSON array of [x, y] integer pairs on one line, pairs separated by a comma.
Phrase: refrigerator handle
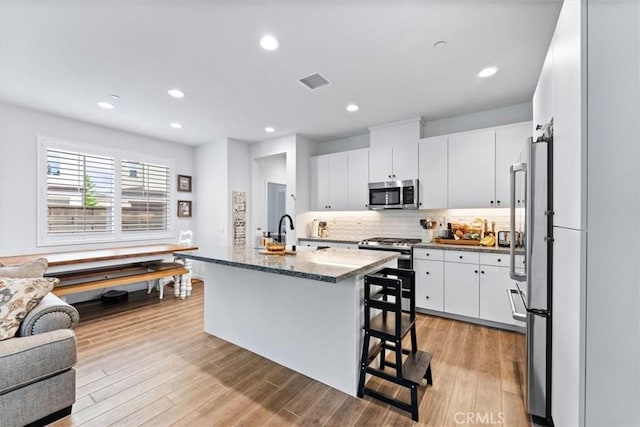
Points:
[[513, 170], [522, 317]]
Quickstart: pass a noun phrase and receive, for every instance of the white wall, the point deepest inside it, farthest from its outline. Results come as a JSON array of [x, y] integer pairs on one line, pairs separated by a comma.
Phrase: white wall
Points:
[[483, 119], [239, 179], [344, 144], [19, 129], [613, 257]]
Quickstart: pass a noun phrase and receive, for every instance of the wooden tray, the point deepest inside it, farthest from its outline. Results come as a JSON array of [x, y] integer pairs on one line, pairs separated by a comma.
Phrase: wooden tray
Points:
[[460, 242], [265, 252]]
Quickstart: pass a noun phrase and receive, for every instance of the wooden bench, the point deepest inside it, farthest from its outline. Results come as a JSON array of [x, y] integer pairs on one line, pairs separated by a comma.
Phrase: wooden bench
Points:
[[100, 278], [81, 271]]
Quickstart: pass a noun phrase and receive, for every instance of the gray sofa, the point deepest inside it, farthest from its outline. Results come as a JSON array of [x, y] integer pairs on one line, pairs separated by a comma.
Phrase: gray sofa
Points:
[[37, 379]]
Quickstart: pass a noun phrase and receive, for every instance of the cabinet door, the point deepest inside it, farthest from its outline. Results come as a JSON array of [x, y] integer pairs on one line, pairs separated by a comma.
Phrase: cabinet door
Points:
[[432, 153], [380, 164], [337, 182], [510, 141], [405, 162], [319, 173], [358, 180], [471, 170], [429, 284], [494, 301], [461, 292]]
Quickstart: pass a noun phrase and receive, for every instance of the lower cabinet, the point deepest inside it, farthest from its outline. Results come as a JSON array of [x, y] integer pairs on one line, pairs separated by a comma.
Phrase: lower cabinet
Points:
[[429, 284], [461, 291], [494, 301], [466, 283]]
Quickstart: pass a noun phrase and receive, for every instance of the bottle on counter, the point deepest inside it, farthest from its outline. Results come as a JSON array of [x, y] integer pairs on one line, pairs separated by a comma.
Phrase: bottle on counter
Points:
[[258, 238]]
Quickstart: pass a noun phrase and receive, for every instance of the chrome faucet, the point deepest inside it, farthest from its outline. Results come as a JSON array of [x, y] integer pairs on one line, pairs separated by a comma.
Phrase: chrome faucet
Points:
[[280, 226]]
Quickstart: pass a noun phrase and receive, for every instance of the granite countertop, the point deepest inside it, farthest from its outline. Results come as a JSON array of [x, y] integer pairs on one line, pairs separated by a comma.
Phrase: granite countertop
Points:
[[331, 265], [329, 240], [493, 249]]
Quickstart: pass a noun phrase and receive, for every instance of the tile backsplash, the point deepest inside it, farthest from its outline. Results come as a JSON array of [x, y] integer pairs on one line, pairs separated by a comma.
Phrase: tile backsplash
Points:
[[394, 223]]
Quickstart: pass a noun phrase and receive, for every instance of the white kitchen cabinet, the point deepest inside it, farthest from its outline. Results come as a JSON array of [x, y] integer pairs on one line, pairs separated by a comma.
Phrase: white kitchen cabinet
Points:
[[494, 301], [358, 179], [328, 182], [319, 171], [429, 284], [510, 142], [461, 291], [393, 163], [432, 154], [471, 170], [348, 245]]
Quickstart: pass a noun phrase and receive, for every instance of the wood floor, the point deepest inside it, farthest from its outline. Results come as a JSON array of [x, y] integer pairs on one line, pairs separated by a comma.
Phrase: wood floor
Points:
[[151, 364]]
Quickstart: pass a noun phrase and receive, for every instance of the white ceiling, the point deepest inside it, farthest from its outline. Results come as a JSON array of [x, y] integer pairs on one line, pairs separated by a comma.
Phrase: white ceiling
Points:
[[62, 56]]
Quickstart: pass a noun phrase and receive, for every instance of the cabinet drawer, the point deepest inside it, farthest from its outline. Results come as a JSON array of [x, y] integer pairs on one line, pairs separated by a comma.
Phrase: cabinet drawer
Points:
[[431, 254], [499, 260], [462, 256]]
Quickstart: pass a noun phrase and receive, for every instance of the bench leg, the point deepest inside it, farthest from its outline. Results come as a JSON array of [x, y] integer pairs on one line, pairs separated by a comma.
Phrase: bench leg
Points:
[[188, 264], [176, 286], [161, 287]]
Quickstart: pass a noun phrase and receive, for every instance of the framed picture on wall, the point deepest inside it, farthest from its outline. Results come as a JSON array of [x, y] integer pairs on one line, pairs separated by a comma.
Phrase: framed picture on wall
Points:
[[184, 208], [184, 183]]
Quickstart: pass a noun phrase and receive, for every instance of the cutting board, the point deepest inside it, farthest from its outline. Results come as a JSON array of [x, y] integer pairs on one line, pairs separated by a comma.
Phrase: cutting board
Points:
[[263, 252], [458, 242]]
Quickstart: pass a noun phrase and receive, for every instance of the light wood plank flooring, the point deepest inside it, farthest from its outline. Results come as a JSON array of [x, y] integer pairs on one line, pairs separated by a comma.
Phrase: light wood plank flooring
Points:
[[149, 363]]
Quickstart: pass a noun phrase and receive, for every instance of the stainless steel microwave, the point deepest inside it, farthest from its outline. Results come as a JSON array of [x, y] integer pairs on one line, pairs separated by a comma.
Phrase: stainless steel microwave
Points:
[[394, 195]]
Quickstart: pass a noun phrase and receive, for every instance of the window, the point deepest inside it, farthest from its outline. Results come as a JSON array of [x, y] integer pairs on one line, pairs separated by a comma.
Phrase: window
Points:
[[145, 196], [79, 193], [94, 195]]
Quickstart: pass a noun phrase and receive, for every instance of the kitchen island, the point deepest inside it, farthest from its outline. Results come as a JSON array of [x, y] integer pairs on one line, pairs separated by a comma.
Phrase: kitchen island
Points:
[[304, 311]]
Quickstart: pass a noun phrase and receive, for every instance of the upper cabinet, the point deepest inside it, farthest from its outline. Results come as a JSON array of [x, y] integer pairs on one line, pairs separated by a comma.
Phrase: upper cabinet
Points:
[[393, 152], [393, 163], [328, 182], [358, 179], [433, 172], [472, 170], [510, 144]]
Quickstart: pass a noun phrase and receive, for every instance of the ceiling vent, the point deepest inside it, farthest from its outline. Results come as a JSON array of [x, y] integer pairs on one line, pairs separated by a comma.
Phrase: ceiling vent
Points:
[[314, 81]]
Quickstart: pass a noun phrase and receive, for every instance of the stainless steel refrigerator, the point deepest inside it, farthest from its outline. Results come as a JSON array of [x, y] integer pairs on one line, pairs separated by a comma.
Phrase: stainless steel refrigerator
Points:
[[533, 286]]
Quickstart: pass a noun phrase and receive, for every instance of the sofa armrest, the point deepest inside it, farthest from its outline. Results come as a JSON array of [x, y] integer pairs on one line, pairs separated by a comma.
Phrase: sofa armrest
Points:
[[51, 314]]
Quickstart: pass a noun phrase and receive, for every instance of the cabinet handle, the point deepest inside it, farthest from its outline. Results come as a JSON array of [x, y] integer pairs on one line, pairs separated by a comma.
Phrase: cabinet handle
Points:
[[499, 260], [518, 201], [461, 258], [498, 202], [427, 297], [427, 272], [366, 206], [482, 271], [475, 271], [389, 176], [491, 202], [427, 253]]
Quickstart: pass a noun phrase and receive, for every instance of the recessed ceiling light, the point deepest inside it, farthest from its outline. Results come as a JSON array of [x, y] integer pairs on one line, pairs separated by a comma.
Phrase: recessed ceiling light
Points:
[[105, 105], [487, 72], [440, 44], [352, 108], [176, 125], [269, 129], [269, 42], [176, 93]]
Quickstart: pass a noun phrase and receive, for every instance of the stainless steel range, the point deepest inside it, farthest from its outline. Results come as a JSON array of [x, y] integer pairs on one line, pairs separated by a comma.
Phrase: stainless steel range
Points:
[[404, 246]]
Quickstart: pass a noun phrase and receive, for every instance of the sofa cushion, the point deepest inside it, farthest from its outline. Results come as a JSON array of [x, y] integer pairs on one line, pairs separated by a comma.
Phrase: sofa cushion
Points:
[[17, 298], [25, 360], [28, 269]]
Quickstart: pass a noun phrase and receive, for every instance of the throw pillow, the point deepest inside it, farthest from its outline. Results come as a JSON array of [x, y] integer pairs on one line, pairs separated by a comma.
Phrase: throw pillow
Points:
[[29, 269], [17, 298]]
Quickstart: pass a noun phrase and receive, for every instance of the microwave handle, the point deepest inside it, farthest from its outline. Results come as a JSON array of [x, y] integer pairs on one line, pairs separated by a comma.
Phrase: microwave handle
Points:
[[513, 170]]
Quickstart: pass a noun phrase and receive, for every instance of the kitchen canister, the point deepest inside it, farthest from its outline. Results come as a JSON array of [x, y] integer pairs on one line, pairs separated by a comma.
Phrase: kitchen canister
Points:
[[427, 235]]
